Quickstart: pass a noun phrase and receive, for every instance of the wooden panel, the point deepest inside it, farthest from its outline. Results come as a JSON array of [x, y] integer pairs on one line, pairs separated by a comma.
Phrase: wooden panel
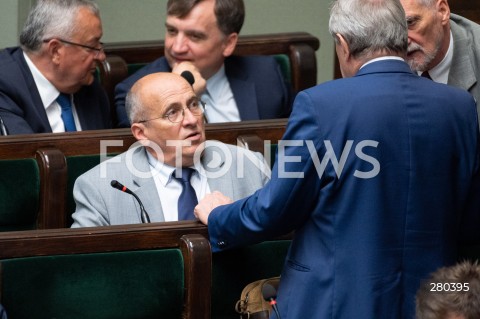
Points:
[[190, 237], [89, 142]]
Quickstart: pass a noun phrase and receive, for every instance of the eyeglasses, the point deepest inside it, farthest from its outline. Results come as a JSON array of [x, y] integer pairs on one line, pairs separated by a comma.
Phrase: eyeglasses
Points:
[[177, 114], [93, 49]]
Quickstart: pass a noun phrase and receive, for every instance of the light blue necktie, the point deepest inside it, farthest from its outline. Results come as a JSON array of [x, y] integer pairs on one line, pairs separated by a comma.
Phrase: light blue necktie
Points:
[[67, 114], [188, 198]]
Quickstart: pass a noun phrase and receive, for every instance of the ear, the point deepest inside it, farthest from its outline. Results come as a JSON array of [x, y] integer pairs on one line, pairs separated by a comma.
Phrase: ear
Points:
[[444, 11], [138, 131], [55, 50], [343, 47], [230, 44]]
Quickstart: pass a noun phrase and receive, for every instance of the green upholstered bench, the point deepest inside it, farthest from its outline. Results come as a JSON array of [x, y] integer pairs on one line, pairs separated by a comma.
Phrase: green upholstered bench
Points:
[[234, 269], [19, 194], [137, 284], [139, 271]]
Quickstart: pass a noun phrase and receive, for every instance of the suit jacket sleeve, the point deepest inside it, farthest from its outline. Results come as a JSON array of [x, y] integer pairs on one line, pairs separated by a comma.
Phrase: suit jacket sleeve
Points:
[[280, 206]]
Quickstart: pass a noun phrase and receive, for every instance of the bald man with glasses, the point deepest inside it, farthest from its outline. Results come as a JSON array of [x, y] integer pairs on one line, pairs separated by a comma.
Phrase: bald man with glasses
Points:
[[170, 168], [47, 84]]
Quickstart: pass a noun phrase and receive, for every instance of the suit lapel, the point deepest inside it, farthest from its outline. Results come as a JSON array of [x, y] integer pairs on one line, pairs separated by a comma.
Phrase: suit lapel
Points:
[[461, 73], [33, 90], [243, 92], [213, 161], [146, 189]]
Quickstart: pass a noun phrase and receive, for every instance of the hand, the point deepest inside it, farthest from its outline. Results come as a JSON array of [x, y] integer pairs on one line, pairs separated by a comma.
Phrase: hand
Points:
[[200, 84], [208, 203]]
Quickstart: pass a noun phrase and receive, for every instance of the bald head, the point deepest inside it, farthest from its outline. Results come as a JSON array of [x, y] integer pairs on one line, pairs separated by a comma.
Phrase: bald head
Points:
[[151, 92]]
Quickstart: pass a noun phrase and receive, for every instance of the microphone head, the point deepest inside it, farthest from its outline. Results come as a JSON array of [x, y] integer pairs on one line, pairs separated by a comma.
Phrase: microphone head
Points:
[[115, 184], [120, 186], [269, 292], [187, 75]]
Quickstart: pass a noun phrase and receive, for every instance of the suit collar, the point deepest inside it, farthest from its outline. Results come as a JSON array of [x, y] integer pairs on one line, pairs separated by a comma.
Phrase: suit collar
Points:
[[385, 66], [34, 95], [243, 90], [145, 187], [461, 72], [217, 159]]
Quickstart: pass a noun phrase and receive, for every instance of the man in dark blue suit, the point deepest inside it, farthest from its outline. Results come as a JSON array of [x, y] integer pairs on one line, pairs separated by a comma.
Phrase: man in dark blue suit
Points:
[[205, 33], [376, 174], [60, 46]]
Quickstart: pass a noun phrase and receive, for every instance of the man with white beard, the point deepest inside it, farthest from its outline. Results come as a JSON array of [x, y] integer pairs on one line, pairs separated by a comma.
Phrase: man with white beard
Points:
[[445, 45]]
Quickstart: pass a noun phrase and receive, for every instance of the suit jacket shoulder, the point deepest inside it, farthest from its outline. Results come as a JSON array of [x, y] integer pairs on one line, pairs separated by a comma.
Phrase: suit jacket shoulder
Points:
[[465, 68], [22, 109], [260, 89]]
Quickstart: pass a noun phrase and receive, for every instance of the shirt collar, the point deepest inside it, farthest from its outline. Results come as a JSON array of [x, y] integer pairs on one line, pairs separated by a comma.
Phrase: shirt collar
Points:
[[382, 58], [48, 92], [164, 172], [215, 83], [440, 72]]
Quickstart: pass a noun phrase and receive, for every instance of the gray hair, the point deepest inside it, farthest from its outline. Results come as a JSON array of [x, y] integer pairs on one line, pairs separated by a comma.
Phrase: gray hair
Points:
[[51, 19], [370, 26], [427, 3]]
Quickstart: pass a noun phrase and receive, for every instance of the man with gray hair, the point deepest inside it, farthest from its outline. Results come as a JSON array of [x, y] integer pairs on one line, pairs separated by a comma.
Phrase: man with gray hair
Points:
[[47, 84], [398, 196], [443, 46]]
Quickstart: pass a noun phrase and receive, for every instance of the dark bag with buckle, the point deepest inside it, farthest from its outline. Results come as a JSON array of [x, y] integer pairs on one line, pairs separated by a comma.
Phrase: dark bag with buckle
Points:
[[251, 304]]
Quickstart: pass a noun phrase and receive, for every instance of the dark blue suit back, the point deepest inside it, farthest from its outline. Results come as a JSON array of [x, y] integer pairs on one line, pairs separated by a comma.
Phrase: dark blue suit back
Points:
[[384, 165]]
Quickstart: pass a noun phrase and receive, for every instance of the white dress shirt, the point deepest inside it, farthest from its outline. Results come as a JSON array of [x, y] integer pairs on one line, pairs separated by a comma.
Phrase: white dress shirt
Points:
[[169, 189], [221, 105], [48, 94], [440, 72]]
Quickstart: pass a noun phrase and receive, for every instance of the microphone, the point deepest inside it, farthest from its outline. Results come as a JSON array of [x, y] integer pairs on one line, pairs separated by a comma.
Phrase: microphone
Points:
[[187, 75], [270, 294], [143, 213], [3, 128]]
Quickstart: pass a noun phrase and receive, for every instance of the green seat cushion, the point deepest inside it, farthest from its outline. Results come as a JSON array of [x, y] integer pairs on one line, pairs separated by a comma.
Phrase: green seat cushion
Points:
[[120, 285], [76, 166], [134, 67], [19, 194], [284, 63], [234, 269]]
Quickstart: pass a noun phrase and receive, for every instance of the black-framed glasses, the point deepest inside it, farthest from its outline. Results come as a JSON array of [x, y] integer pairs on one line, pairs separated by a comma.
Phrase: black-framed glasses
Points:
[[93, 49], [177, 114]]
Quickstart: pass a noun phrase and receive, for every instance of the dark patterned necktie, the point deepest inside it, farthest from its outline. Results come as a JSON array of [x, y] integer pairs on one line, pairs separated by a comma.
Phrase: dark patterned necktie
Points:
[[426, 75], [188, 198]]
